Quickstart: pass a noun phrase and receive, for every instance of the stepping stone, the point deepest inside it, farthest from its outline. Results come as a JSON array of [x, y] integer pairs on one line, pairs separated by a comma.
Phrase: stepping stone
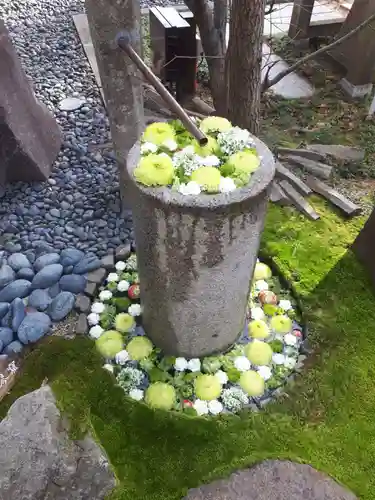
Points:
[[273, 480], [71, 104]]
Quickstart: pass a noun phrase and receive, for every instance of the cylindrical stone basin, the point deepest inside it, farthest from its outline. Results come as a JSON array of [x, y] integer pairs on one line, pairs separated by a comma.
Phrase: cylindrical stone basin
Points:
[[196, 257]]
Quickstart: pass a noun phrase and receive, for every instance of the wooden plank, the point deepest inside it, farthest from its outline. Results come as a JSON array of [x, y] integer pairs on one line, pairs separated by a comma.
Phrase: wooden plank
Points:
[[278, 195], [315, 168], [305, 153], [348, 207], [283, 173], [299, 201]]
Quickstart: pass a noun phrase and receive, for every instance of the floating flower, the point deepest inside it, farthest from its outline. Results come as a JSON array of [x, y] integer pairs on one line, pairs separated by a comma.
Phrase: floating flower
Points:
[[180, 364], [122, 357], [123, 286], [278, 358], [208, 178], [170, 144], [290, 339], [215, 407], [210, 161], [286, 305], [135, 310], [105, 295], [214, 124], [194, 365], [108, 367], [187, 403], [136, 394], [112, 277], [187, 160], [222, 376], [191, 188], [257, 313], [148, 147], [201, 407], [242, 363], [158, 132], [261, 286], [227, 185], [96, 331], [265, 372], [120, 265], [93, 319], [98, 307], [290, 362], [262, 271], [134, 292], [154, 170]]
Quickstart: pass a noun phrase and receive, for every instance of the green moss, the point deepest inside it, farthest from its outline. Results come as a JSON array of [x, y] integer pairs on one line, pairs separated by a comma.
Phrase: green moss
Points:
[[327, 420]]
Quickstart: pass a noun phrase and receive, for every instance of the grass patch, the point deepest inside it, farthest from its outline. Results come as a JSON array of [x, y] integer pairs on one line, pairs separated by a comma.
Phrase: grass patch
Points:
[[327, 420]]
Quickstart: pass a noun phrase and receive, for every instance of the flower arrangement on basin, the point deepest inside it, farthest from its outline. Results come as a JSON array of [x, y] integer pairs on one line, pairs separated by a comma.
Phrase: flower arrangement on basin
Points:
[[246, 376], [170, 156]]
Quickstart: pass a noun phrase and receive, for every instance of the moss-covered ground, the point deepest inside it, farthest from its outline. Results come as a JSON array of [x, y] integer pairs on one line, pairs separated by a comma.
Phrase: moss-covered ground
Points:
[[327, 419]]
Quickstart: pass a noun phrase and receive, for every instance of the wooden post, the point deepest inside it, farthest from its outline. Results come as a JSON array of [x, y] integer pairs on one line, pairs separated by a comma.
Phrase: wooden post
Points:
[[121, 81], [301, 17]]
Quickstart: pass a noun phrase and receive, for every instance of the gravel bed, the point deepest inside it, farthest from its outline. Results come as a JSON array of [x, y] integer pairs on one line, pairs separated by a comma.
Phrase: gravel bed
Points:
[[80, 204]]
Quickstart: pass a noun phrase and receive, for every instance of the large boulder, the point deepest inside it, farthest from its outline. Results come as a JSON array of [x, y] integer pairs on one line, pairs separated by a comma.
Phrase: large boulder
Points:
[[38, 461], [30, 136]]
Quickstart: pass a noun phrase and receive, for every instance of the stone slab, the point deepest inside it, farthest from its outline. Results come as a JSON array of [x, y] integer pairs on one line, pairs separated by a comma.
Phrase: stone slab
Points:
[[319, 169], [285, 174], [274, 480], [299, 201], [30, 136], [346, 154]]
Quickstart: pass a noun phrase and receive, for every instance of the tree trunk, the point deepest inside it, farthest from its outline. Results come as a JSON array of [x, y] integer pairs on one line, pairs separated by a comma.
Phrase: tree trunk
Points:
[[120, 78], [244, 60], [212, 27]]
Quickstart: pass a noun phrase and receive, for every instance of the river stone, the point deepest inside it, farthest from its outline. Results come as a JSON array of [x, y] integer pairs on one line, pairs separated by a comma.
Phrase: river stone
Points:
[[6, 336], [18, 313], [46, 260], [34, 327], [18, 261], [74, 283], [61, 306], [30, 136], [276, 480], [4, 308], [1, 346], [71, 104], [39, 300], [48, 276], [54, 290], [71, 257], [19, 288], [88, 263], [38, 459], [82, 304], [6, 320], [14, 347], [6, 275], [25, 273]]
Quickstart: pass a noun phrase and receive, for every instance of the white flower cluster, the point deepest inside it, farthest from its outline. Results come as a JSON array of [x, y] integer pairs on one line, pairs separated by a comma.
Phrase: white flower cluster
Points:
[[182, 364], [233, 140], [130, 378], [131, 263], [234, 399], [191, 188], [187, 159], [204, 407]]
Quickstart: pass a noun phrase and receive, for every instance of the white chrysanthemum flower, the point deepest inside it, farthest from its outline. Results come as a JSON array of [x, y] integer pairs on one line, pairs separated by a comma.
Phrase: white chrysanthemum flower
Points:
[[278, 358], [215, 407], [170, 144], [98, 307], [210, 161], [105, 295], [194, 365], [136, 394], [191, 188], [222, 376], [201, 407], [93, 319], [233, 140], [112, 277], [148, 147], [265, 372], [180, 364], [290, 339], [242, 363], [108, 367], [122, 357], [120, 265], [290, 362], [286, 305], [135, 310], [123, 286], [96, 331], [257, 313], [261, 286], [227, 185]]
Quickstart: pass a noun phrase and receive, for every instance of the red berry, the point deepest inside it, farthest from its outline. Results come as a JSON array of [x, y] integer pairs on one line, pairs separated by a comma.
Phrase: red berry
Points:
[[134, 292]]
